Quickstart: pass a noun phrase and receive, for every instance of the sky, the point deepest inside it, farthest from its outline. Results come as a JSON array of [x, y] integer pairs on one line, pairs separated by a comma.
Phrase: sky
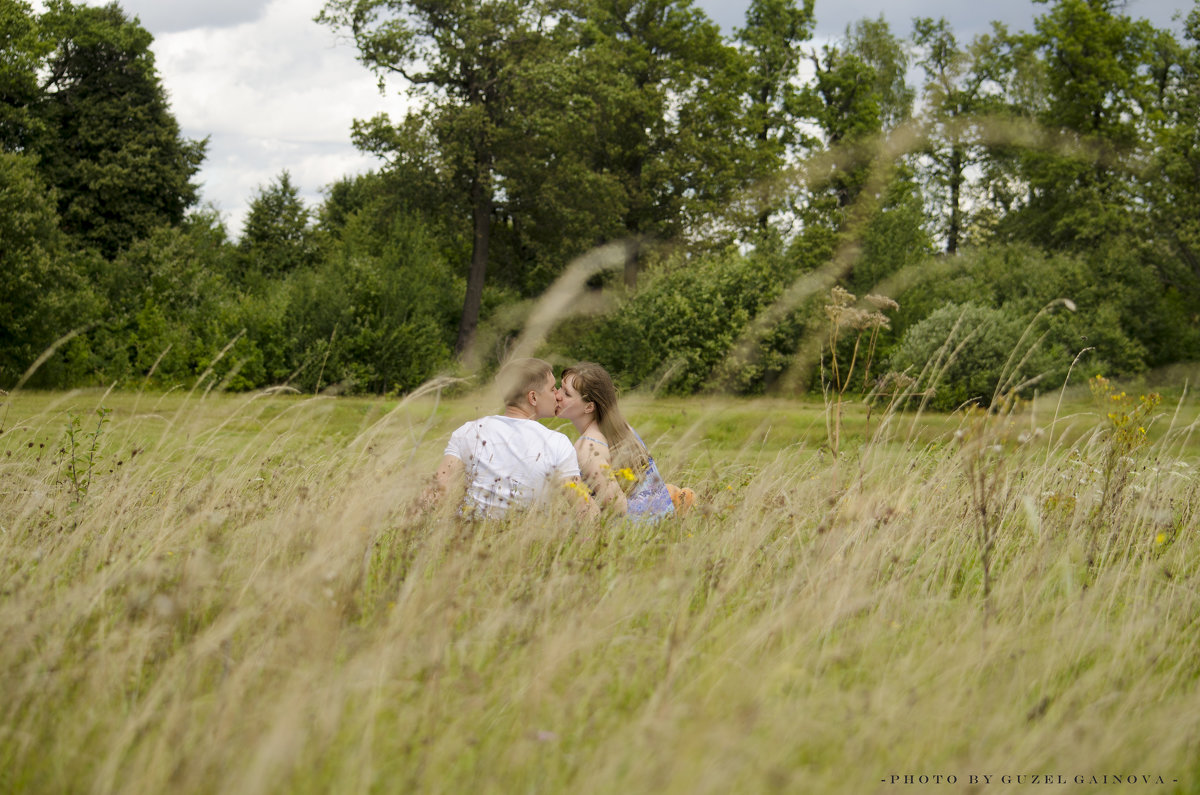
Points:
[[272, 90]]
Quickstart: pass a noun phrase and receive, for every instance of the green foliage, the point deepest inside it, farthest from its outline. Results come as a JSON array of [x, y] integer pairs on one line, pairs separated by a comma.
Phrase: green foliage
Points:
[[466, 66], [967, 353], [1125, 317], [894, 236], [771, 48], [44, 292], [1096, 91], [961, 87], [1175, 189], [677, 332], [277, 237], [170, 305], [107, 140], [1059, 163], [375, 316], [24, 48]]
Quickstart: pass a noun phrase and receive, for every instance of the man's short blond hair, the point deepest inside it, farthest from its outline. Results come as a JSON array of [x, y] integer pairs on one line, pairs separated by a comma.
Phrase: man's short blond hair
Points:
[[519, 377]]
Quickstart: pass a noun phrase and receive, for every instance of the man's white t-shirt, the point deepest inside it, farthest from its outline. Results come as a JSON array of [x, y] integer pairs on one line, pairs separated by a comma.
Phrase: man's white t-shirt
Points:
[[510, 461]]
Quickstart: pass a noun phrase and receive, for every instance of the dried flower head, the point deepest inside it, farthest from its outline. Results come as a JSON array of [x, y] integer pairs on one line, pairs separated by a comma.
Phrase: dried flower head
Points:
[[881, 302], [894, 382], [841, 297], [877, 320]]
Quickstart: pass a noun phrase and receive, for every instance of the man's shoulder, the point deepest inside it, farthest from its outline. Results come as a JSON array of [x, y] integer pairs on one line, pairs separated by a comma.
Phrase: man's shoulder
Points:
[[477, 424], [552, 436], [498, 423], [559, 444]]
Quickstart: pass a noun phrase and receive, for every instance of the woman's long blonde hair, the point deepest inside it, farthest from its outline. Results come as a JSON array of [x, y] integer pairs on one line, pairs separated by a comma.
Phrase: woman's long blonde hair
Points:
[[594, 384]]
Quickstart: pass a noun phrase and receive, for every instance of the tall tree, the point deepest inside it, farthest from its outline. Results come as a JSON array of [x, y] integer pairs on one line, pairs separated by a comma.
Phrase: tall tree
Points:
[[1094, 72], [460, 59], [43, 293], [1173, 191], [22, 54], [962, 88], [107, 141], [859, 92], [664, 122], [277, 236], [770, 44]]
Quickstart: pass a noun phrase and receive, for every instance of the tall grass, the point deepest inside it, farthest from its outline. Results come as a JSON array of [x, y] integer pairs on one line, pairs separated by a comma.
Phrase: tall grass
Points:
[[246, 601]]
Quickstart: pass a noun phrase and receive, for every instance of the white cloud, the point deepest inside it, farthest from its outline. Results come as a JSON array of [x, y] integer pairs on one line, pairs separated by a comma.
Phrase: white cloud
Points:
[[275, 91], [165, 16]]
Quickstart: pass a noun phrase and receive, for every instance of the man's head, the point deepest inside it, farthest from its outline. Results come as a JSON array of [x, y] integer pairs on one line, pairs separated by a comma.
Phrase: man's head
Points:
[[528, 385]]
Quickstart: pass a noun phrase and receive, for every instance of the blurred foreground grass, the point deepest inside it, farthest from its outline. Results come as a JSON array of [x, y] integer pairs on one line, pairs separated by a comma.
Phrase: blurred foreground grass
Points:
[[235, 595]]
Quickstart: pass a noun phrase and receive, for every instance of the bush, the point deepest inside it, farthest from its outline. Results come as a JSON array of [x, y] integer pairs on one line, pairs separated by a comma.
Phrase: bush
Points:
[[172, 310], [964, 352], [44, 292], [678, 330], [377, 315], [1123, 314]]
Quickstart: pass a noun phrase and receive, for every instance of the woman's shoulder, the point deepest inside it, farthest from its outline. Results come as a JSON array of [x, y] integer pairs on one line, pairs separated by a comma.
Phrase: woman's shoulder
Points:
[[593, 438], [592, 447]]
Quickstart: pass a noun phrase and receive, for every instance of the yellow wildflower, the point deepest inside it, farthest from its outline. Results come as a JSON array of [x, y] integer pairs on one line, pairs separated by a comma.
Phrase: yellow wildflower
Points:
[[578, 488]]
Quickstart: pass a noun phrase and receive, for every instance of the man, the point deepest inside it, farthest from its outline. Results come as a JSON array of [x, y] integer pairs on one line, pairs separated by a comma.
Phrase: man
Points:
[[510, 460]]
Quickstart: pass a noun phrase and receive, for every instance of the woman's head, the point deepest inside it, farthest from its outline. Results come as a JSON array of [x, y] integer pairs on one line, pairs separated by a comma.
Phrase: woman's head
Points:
[[597, 397]]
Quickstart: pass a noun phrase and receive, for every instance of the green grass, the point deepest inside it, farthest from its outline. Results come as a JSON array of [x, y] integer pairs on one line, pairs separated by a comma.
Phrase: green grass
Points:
[[247, 600]]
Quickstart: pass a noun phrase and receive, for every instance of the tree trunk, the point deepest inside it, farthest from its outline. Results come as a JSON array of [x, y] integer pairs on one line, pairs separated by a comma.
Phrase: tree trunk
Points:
[[956, 181], [481, 203]]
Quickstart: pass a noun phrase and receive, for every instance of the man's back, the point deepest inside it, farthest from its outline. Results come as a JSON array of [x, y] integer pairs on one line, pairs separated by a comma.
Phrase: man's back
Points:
[[510, 461]]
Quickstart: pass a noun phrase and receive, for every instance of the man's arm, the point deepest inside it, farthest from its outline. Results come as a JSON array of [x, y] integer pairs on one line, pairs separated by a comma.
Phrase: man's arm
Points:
[[450, 478]]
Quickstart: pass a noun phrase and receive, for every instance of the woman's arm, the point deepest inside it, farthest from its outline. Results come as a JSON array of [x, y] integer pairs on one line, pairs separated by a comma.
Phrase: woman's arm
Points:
[[596, 469]]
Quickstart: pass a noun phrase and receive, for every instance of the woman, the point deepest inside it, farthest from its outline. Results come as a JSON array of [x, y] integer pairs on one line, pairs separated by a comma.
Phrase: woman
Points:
[[613, 459]]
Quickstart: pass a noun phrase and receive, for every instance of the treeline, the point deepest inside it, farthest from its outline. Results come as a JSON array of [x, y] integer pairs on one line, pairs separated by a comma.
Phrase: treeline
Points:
[[748, 174]]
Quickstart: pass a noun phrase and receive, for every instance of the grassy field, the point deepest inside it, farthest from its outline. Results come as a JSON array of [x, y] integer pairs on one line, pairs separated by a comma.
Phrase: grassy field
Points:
[[237, 594]]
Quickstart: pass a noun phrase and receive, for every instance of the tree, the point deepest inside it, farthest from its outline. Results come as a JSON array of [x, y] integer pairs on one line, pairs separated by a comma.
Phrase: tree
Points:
[[277, 236], [1093, 71], [776, 108], [859, 92], [1174, 190], [961, 90], [24, 50], [105, 136], [44, 293], [664, 123], [461, 59]]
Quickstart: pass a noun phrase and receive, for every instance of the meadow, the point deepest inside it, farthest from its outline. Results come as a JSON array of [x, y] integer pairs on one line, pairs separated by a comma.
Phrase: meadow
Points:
[[226, 593]]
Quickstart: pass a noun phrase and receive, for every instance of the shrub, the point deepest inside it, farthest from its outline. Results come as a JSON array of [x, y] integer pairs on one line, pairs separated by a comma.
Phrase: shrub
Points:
[[44, 292], [377, 315], [965, 351], [1121, 310], [678, 330]]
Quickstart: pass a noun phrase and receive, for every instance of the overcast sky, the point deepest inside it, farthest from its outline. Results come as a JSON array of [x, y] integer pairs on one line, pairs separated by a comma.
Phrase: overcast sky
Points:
[[274, 90]]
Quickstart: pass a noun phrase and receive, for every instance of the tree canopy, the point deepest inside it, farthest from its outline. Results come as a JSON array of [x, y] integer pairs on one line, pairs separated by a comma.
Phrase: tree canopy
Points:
[[744, 172]]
